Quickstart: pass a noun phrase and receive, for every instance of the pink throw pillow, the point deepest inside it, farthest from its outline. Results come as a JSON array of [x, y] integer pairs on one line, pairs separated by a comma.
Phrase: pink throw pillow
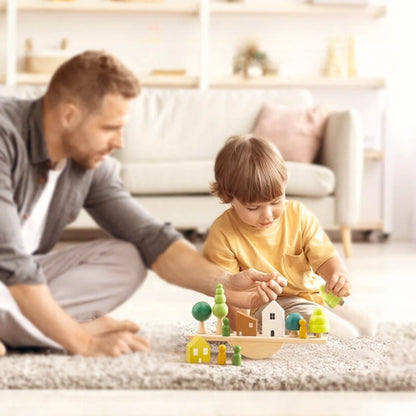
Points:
[[296, 132]]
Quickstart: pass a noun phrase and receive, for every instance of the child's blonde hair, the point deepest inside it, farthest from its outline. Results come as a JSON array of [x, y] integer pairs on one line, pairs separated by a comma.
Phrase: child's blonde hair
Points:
[[249, 169]]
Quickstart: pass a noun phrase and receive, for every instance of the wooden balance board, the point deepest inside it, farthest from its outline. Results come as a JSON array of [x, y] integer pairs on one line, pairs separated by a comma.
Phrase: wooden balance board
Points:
[[258, 347]]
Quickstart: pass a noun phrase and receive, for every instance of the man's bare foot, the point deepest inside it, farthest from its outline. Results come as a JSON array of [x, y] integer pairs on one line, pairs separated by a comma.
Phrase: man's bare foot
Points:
[[105, 324], [2, 349]]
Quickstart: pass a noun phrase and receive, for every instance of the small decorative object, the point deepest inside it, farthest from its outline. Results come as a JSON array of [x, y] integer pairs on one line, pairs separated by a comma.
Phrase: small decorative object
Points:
[[333, 64], [352, 67], [168, 72], [45, 61], [253, 63]]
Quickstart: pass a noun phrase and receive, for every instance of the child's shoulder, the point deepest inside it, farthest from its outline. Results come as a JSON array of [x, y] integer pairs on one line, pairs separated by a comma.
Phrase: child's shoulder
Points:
[[293, 206], [223, 219]]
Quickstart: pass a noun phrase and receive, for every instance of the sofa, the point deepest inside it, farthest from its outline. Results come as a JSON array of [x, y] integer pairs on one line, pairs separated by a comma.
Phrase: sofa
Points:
[[172, 138]]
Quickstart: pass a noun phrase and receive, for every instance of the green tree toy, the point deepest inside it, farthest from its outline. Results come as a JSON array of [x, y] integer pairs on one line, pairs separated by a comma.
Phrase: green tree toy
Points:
[[319, 323], [292, 323], [201, 311], [220, 308]]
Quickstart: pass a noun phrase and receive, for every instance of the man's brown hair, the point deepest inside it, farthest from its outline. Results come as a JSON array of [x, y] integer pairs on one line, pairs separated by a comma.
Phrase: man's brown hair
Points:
[[249, 169], [89, 76]]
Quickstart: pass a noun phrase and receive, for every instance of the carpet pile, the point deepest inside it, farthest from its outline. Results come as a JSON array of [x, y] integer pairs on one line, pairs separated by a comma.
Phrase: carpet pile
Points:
[[386, 362]]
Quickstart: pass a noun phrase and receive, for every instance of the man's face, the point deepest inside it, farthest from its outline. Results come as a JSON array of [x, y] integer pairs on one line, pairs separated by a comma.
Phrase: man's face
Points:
[[98, 133]]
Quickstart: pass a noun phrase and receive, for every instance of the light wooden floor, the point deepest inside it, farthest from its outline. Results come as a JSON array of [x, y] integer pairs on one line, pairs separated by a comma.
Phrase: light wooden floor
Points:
[[383, 278]]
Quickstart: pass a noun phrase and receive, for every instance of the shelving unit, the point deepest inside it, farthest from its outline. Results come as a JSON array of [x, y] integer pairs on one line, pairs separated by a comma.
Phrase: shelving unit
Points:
[[178, 7], [204, 11]]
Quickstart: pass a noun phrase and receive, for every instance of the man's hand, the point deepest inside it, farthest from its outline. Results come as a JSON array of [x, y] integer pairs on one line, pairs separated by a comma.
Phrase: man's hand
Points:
[[103, 336], [113, 337], [117, 343], [339, 284], [250, 288]]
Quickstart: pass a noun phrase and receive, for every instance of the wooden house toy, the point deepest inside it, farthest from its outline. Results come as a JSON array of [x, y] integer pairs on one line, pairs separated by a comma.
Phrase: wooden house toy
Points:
[[246, 325], [198, 351], [271, 319]]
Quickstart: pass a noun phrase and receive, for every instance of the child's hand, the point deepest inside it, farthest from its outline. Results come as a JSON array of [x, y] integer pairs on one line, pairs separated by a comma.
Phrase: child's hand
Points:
[[250, 288], [339, 284]]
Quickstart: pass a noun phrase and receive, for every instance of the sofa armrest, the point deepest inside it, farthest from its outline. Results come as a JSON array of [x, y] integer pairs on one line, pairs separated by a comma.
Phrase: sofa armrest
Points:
[[342, 151]]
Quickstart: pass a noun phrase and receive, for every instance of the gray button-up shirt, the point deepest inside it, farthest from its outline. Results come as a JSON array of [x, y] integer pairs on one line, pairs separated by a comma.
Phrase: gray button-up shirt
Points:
[[24, 166]]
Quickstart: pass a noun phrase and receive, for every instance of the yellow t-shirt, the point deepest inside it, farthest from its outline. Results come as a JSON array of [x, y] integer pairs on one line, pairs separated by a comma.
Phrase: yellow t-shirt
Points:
[[295, 246]]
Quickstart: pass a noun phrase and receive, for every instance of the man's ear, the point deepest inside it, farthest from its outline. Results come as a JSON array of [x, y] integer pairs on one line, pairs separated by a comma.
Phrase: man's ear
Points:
[[70, 115]]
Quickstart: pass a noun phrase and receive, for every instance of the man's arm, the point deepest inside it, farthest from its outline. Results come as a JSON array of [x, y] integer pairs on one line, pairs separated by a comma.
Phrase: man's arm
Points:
[[184, 266], [38, 305]]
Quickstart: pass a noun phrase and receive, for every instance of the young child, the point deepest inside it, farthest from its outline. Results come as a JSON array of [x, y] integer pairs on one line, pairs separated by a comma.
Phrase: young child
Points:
[[264, 231]]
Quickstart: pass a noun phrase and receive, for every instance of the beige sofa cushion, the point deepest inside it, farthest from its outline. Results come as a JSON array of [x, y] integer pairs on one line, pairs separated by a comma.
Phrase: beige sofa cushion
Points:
[[309, 180], [152, 178]]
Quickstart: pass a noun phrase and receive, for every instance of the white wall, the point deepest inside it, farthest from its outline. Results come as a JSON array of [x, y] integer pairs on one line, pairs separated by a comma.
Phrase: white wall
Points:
[[298, 46]]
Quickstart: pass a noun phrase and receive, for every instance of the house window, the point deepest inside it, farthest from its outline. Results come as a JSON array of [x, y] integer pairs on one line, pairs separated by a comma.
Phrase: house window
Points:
[[195, 352], [205, 351], [272, 316], [250, 324]]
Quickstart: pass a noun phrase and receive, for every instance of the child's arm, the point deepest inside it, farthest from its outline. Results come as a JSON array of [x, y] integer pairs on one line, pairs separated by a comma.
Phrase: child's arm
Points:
[[336, 276]]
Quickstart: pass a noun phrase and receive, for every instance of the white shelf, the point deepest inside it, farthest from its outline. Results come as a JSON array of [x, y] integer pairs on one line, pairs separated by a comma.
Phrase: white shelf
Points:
[[231, 82], [177, 7], [297, 10], [146, 81], [310, 82]]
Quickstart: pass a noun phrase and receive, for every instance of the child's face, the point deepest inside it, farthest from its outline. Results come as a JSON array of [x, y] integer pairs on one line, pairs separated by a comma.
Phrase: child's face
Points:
[[260, 215]]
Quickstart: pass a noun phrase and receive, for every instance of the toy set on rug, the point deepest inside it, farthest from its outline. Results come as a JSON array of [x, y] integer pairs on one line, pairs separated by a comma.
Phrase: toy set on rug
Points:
[[255, 338]]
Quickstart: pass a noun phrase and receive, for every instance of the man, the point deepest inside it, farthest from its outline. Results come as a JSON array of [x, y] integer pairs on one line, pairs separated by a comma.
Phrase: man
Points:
[[53, 162]]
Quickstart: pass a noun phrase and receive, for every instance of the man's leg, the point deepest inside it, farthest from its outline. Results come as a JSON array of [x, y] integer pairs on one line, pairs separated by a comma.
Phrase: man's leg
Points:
[[91, 279], [87, 281]]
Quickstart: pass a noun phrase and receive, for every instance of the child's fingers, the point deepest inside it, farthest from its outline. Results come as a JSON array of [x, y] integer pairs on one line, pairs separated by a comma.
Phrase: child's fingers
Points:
[[339, 285], [271, 293], [276, 287]]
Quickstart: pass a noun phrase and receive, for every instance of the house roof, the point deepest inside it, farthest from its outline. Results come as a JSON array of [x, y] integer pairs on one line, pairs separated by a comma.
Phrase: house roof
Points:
[[198, 342], [272, 306]]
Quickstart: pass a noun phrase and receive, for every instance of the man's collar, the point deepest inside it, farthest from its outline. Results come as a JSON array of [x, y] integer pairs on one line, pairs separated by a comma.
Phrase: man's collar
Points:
[[38, 151]]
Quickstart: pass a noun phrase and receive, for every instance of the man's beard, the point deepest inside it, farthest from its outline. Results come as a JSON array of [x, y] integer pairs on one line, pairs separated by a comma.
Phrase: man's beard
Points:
[[73, 152]]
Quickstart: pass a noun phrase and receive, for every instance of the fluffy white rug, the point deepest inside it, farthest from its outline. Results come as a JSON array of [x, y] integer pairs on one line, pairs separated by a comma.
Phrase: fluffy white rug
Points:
[[386, 362]]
